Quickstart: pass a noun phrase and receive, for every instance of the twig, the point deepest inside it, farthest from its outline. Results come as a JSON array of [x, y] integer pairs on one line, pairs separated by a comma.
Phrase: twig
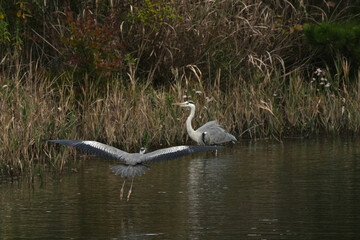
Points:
[[251, 128], [46, 41]]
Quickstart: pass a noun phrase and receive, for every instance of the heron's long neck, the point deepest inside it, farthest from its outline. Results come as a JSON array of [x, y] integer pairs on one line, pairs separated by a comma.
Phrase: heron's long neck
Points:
[[189, 128]]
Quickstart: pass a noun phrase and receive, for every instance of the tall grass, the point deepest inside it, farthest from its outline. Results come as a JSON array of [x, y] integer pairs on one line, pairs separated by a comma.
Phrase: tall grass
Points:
[[112, 71], [44, 107]]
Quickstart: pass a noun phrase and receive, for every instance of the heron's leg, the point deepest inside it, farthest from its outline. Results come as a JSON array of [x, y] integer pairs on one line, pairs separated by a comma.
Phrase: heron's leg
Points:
[[128, 197], [122, 190]]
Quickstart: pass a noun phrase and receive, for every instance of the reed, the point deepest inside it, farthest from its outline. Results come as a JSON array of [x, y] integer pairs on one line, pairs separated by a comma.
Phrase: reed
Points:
[[113, 75], [45, 107]]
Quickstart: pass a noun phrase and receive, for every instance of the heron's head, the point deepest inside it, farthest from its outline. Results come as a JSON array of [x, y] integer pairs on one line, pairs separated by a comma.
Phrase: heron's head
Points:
[[142, 150], [185, 104]]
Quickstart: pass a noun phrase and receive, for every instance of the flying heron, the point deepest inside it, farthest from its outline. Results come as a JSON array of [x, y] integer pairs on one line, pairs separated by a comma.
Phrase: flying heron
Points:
[[211, 133], [133, 162]]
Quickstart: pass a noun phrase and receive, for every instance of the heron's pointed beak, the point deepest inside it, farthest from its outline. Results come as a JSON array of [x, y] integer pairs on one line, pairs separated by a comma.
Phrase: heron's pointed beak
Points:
[[178, 104]]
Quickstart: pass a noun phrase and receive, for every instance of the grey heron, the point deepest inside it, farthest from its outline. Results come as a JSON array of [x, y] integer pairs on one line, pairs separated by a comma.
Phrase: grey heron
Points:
[[133, 162], [211, 133], [129, 171]]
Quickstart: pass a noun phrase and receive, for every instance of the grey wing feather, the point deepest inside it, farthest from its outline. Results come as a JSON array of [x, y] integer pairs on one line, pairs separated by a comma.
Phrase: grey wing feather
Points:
[[218, 136], [215, 133], [175, 152], [129, 170], [96, 148], [209, 125]]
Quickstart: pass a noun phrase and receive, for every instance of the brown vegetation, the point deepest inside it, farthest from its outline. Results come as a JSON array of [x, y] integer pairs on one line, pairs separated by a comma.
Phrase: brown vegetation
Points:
[[111, 74]]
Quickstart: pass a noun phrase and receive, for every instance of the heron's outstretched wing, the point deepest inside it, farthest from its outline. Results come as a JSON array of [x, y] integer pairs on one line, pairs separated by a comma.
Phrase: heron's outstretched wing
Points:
[[175, 152], [129, 170], [96, 148], [215, 133]]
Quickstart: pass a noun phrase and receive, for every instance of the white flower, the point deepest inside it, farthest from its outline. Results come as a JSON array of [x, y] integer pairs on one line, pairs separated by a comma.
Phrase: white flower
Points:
[[198, 92], [184, 96], [318, 71], [327, 85]]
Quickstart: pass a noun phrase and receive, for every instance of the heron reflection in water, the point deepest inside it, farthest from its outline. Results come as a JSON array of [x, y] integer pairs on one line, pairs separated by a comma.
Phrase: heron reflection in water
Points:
[[133, 162]]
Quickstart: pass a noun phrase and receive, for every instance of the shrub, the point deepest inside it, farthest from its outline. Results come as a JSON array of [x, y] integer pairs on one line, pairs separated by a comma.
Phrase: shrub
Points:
[[92, 46], [335, 38]]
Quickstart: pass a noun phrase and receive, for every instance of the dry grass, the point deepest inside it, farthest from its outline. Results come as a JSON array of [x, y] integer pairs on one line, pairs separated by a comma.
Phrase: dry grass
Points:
[[243, 56], [234, 37], [50, 108]]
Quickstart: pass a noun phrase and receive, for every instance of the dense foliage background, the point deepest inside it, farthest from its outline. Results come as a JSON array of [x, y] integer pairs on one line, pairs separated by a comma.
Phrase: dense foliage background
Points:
[[150, 40], [110, 70]]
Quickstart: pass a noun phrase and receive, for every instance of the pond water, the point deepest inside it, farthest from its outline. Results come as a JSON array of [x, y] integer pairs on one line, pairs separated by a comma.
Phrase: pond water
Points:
[[297, 189]]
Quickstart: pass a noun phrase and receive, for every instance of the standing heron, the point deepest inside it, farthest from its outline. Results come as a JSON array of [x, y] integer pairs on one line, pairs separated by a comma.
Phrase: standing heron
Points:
[[133, 162], [211, 133]]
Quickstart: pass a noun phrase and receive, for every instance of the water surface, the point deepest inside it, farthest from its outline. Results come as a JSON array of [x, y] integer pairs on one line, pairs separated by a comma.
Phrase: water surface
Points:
[[297, 189]]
